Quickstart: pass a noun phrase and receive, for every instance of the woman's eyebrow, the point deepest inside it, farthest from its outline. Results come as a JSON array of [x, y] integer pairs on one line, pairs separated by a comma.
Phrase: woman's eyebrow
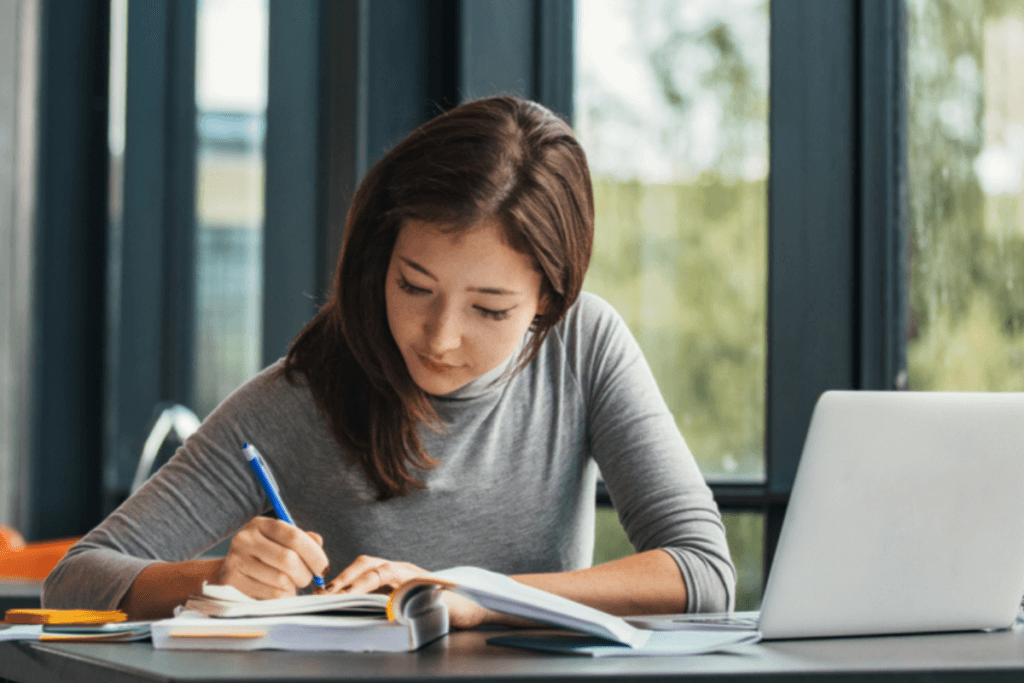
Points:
[[493, 290], [481, 290], [415, 266]]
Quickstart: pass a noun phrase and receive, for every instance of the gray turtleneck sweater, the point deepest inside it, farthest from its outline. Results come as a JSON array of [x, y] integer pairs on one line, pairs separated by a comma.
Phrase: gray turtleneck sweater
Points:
[[514, 492]]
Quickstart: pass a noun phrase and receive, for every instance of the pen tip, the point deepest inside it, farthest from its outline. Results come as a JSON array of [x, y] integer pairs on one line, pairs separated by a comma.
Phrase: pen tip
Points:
[[245, 445]]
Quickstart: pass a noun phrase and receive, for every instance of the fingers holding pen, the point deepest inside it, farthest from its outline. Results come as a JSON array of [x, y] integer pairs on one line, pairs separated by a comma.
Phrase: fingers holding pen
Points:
[[298, 553], [270, 558], [256, 579], [307, 547]]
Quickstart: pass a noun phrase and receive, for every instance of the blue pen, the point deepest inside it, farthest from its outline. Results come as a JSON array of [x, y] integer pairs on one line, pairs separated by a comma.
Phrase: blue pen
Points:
[[256, 463]]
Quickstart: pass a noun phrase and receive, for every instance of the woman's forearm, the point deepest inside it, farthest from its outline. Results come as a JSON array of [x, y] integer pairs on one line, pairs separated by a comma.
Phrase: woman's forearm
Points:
[[162, 586], [646, 583]]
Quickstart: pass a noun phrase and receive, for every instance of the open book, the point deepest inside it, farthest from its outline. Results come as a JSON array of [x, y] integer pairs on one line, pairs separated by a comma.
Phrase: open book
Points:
[[412, 616]]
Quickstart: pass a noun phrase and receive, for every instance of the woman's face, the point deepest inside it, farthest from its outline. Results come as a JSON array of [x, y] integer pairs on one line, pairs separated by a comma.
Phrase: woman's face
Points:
[[458, 305]]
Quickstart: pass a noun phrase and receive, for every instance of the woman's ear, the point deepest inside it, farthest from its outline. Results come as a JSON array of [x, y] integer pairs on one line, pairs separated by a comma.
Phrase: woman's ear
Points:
[[542, 305], [542, 308]]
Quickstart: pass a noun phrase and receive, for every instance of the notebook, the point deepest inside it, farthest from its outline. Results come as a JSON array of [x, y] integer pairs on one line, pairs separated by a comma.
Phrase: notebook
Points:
[[905, 517]]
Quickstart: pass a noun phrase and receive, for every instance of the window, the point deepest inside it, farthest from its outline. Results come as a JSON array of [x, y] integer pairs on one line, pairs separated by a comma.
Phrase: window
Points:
[[231, 102], [672, 109], [966, 195]]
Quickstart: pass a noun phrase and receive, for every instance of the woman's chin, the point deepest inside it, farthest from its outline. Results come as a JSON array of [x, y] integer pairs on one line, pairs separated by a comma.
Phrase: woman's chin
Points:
[[438, 384]]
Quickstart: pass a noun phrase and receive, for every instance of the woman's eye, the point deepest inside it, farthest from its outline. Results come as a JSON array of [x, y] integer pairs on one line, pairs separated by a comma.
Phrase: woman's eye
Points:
[[493, 314], [407, 286]]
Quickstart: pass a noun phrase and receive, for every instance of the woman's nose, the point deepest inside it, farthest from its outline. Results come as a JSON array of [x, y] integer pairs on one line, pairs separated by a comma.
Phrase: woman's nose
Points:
[[442, 330]]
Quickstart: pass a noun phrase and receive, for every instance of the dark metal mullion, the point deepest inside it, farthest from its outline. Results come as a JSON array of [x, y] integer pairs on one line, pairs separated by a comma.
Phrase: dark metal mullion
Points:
[[69, 306], [883, 315], [292, 280], [400, 95], [444, 57], [752, 497], [746, 496], [343, 123], [180, 226], [812, 228], [554, 41], [499, 48]]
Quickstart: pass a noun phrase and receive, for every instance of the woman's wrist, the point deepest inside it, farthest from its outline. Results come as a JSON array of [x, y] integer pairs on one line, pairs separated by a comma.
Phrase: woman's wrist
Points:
[[162, 586]]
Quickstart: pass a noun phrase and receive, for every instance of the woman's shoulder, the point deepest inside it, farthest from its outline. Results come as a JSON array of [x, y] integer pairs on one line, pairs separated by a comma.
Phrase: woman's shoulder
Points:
[[271, 395], [593, 336], [270, 383], [591, 320], [588, 303]]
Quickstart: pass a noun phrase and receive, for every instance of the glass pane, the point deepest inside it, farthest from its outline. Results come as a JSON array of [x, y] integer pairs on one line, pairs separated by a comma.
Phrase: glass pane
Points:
[[231, 101], [672, 109], [966, 198], [745, 531]]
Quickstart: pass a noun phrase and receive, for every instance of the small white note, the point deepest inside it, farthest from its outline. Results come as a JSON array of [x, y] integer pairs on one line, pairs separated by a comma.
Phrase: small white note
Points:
[[227, 593]]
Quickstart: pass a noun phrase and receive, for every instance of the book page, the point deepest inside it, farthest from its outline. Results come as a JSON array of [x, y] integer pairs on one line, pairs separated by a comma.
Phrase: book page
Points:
[[228, 601]]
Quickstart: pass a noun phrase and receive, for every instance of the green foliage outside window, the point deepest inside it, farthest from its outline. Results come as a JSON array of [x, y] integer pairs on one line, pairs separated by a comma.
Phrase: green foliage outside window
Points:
[[672, 109], [965, 125], [685, 265]]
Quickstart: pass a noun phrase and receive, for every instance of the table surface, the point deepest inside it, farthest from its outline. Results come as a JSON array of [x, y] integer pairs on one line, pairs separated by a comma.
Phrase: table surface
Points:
[[465, 656]]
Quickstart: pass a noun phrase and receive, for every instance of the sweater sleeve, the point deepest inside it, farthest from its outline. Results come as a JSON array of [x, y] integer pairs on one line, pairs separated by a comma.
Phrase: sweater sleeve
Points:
[[659, 493], [203, 495]]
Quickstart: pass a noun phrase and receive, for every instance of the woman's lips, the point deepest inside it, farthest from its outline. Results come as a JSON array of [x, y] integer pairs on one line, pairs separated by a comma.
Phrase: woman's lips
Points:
[[434, 366]]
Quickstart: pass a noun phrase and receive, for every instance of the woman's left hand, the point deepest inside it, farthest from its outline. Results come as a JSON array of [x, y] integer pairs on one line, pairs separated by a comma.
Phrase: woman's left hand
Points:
[[375, 575]]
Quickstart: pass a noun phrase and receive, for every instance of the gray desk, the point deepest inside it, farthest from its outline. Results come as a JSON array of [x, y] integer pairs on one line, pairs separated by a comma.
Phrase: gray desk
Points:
[[464, 657]]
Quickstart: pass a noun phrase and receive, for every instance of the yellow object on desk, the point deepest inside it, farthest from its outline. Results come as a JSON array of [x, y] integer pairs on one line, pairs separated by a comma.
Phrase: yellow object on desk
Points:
[[63, 616]]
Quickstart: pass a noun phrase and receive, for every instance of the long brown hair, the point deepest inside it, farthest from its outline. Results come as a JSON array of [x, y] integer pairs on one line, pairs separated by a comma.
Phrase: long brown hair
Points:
[[498, 158]]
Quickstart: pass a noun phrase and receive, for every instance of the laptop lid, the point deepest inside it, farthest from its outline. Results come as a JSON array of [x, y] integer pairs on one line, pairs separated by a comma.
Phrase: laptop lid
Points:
[[905, 516]]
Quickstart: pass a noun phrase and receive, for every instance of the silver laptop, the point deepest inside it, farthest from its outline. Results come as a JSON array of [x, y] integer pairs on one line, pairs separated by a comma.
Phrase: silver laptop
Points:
[[906, 515]]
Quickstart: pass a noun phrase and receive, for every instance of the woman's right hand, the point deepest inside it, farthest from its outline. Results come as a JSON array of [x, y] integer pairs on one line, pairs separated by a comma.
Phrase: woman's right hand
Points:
[[271, 559]]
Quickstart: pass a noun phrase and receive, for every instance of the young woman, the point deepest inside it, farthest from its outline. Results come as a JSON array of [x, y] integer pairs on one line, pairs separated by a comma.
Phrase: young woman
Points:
[[450, 405]]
